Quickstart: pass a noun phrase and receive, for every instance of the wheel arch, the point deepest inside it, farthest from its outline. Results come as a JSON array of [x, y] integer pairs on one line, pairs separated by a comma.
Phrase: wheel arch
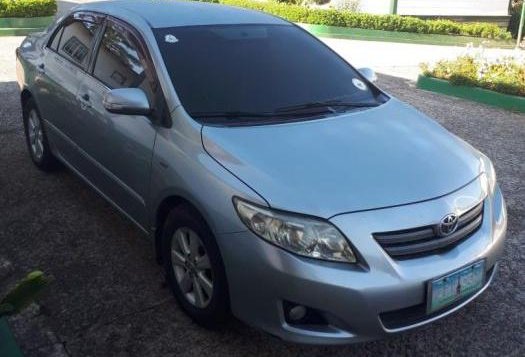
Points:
[[25, 95], [161, 213]]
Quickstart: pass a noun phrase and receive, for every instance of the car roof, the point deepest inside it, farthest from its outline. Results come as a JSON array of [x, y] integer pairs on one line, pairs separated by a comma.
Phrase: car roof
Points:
[[170, 13]]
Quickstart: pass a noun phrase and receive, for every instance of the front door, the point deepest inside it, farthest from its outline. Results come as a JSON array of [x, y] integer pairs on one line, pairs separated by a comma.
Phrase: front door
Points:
[[118, 147]]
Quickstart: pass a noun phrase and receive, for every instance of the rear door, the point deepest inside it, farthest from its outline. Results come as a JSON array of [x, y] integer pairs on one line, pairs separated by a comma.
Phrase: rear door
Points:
[[66, 57], [119, 147]]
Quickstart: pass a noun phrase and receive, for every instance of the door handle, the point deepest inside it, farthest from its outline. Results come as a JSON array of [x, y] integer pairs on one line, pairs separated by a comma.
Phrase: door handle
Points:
[[84, 101], [41, 68]]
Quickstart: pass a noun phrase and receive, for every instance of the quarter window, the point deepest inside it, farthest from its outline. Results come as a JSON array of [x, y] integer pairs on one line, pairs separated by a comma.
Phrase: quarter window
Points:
[[120, 63], [56, 39], [77, 40]]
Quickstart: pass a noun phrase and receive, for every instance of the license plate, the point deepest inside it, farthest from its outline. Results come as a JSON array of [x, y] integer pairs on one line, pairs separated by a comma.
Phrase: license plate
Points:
[[455, 286]]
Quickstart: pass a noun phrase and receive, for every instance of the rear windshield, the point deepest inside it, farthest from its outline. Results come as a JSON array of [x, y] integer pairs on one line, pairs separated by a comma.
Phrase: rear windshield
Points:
[[249, 73]]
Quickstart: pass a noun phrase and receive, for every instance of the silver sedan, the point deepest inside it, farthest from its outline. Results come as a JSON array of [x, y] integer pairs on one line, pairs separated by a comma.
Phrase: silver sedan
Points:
[[275, 181]]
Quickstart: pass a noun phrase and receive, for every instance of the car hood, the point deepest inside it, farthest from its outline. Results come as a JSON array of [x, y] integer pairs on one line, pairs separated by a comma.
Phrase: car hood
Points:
[[380, 157]]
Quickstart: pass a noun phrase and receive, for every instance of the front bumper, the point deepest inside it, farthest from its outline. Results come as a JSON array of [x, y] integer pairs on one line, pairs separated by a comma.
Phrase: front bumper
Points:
[[356, 300]]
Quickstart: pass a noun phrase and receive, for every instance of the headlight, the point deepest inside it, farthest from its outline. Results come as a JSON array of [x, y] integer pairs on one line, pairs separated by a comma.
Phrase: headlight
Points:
[[489, 173], [308, 237]]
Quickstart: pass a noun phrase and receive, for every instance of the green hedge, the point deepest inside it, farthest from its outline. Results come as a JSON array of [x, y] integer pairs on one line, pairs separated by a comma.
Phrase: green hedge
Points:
[[27, 8], [303, 14]]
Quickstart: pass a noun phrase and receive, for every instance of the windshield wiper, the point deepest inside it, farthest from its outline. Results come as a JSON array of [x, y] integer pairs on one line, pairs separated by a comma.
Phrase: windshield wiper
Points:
[[328, 105], [300, 110], [241, 114]]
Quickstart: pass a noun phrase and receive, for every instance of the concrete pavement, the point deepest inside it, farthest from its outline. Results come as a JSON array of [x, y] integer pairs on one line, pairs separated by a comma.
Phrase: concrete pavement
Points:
[[402, 59]]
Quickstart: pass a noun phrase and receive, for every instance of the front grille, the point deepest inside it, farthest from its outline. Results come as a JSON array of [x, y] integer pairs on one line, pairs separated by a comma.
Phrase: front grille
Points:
[[418, 313], [426, 240]]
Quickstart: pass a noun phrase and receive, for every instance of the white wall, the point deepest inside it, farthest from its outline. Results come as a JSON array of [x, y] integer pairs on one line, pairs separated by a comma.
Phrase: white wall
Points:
[[375, 6], [453, 7], [439, 7]]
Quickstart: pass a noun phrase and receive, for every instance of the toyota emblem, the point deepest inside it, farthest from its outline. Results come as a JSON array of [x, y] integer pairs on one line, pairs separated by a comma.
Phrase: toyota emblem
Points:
[[448, 225]]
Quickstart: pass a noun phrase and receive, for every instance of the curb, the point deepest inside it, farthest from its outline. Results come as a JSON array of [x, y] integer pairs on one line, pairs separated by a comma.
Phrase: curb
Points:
[[21, 26], [25, 22], [18, 31], [480, 95], [8, 346], [349, 33]]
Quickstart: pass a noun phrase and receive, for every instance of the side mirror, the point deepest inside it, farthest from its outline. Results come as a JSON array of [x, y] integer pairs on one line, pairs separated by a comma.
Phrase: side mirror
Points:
[[128, 101], [369, 74]]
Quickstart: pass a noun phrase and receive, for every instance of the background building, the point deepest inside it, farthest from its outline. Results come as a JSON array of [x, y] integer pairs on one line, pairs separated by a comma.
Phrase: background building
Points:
[[496, 11]]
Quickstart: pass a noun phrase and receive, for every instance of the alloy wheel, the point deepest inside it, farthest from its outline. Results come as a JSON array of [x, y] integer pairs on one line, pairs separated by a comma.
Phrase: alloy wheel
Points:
[[36, 135], [191, 266]]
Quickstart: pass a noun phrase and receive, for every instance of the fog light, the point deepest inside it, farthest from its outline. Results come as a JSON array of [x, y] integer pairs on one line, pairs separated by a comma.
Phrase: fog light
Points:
[[297, 313]]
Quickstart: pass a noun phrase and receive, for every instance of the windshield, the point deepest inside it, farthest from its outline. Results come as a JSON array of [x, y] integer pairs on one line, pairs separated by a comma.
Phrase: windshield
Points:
[[259, 73]]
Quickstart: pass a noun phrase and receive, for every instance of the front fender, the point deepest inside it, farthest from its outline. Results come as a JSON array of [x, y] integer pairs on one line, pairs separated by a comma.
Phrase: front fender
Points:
[[182, 168]]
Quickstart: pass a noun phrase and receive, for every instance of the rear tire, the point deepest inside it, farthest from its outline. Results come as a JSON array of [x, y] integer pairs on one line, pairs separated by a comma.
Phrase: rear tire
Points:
[[194, 267], [36, 138]]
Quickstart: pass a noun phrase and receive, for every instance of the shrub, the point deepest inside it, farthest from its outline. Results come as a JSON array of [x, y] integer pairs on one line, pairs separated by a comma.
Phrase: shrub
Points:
[[27, 8], [331, 17], [295, 2], [23, 294], [506, 75], [318, 2]]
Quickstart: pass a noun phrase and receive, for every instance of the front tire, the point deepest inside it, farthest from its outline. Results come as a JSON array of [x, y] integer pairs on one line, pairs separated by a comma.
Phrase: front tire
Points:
[[36, 138], [194, 267]]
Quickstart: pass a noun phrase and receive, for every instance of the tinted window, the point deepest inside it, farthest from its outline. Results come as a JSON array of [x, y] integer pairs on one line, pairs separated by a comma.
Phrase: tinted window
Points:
[[255, 69], [77, 40], [120, 63]]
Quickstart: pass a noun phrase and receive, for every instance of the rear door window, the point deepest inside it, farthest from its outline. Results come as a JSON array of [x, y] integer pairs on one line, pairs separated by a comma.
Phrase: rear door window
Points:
[[76, 40]]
